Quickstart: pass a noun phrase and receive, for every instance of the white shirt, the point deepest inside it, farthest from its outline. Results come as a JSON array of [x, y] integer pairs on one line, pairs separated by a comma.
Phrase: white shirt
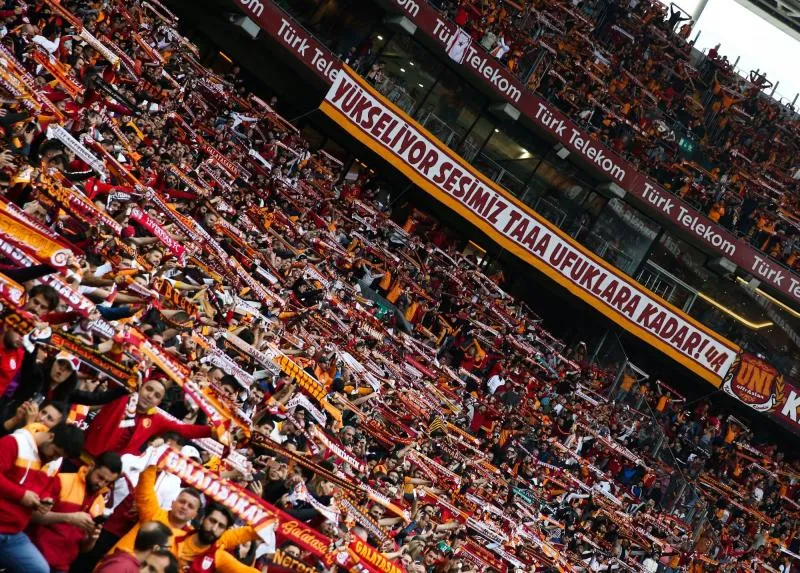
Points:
[[650, 565], [167, 486], [276, 436], [494, 383], [51, 47], [500, 48], [132, 466], [269, 544]]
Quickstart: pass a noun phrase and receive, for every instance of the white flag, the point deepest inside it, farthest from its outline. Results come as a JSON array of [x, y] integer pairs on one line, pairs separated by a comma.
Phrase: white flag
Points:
[[458, 44]]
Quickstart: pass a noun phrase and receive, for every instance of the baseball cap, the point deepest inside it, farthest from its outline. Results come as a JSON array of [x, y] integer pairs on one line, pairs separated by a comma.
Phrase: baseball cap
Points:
[[71, 359], [191, 452]]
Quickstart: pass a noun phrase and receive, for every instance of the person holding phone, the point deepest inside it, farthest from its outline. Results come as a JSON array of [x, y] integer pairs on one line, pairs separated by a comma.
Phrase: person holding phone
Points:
[[29, 462], [73, 525]]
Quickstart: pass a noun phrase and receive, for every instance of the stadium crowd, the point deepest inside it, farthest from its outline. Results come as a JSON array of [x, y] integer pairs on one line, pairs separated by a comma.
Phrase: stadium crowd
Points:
[[220, 355], [626, 71]]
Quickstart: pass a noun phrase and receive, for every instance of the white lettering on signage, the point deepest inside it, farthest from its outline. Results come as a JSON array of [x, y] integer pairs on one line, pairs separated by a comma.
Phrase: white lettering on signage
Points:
[[491, 70], [705, 231], [289, 35], [325, 65], [451, 179], [596, 155], [409, 7], [794, 287], [442, 31], [661, 202], [767, 271], [485, 67], [255, 6], [580, 142], [299, 44], [791, 405]]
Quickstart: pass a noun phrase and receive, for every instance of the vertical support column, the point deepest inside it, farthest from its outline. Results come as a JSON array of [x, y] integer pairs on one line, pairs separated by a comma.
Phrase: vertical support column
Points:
[[613, 389], [698, 10]]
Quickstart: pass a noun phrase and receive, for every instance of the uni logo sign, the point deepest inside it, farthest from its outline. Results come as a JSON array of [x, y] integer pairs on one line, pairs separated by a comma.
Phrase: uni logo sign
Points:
[[755, 382]]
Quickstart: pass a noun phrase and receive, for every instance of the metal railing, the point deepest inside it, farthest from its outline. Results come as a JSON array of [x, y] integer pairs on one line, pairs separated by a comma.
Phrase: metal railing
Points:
[[397, 94], [550, 210], [499, 174], [601, 246], [667, 286], [439, 128]]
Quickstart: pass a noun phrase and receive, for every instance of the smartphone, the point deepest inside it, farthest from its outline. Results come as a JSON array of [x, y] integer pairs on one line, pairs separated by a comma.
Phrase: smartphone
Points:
[[99, 520]]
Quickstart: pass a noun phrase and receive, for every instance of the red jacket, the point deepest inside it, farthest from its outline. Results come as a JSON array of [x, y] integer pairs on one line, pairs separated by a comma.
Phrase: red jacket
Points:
[[94, 187], [22, 470], [60, 543], [124, 516], [118, 562], [106, 435]]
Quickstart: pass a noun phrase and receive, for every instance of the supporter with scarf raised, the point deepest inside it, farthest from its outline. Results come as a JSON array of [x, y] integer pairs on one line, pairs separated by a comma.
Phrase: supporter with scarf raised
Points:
[[422, 455], [126, 423], [207, 547], [184, 509]]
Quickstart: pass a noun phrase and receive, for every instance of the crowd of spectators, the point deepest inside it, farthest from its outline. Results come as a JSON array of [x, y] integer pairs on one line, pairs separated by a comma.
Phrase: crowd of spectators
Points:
[[626, 70], [219, 354]]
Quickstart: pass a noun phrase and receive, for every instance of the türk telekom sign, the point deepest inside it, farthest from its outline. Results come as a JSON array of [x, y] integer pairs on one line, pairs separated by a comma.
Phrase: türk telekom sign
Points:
[[489, 72], [377, 123], [597, 156], [296, 39]]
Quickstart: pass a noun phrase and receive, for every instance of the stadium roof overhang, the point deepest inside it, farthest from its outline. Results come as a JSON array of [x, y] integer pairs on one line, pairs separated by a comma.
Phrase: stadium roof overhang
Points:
[[783, 14]]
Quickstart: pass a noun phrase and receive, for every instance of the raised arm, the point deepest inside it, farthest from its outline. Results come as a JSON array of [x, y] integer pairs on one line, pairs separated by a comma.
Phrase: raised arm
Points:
[[145, 497]]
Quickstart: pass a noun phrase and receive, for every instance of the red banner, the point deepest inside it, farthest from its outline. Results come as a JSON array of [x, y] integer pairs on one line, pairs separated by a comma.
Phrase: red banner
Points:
[[240, 502], [155, 229]]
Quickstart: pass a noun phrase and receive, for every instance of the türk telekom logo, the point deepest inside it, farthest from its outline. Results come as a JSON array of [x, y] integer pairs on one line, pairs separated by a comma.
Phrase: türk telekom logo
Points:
[[755, 382]]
